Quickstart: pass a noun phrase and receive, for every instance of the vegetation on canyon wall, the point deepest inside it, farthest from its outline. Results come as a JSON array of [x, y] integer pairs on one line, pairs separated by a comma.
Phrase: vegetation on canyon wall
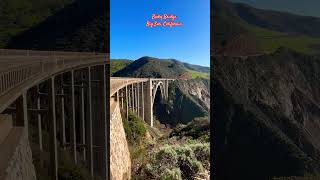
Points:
[[182, 154]]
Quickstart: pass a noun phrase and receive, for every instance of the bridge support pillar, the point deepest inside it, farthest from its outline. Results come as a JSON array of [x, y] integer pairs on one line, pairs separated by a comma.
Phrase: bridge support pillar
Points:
[[63, 120], [136, 97], [132, 97], [83, 126], [122, 96], [142, 100], [127, 110], [53, 128], [138, 100], [21, 111], [100, 122], [129, 98], [73, 127], [89, 125], [39, 119], [148, 107]]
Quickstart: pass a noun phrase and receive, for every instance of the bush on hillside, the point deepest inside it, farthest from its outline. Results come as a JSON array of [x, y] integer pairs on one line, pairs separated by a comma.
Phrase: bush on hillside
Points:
[[198, 129], [69, 171], [134, 128], [179, 161]]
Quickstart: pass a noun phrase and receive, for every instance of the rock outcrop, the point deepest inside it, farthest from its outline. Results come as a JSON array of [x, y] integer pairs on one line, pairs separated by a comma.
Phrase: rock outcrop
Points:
[[188, 99], [266, 115]]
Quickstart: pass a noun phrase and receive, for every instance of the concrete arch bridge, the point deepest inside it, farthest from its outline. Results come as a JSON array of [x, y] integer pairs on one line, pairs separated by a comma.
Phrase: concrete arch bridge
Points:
[[138, 96], [62, 94]]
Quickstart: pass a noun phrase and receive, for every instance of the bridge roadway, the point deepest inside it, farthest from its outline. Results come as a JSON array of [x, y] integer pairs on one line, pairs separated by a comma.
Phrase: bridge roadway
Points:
[[67, 90], [22, 69]]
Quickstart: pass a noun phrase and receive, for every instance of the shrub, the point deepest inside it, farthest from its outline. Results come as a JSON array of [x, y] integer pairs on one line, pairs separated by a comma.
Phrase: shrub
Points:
[[185, 151], [69, 171], [189, 167], [202, 153], [174, 174], [134, 128], [167, 155], [176, 161]]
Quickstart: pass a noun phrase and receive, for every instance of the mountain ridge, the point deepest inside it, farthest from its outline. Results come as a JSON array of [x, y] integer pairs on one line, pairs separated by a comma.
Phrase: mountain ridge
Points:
[[80, 26], [242, 29], [154, 67]]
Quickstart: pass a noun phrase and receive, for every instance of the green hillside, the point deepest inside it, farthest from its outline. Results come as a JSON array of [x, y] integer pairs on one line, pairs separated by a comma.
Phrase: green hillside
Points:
[[79, 26], [118, 64], [160, 68], [242, 30], [197, 74], [17, 16], [270, 41]]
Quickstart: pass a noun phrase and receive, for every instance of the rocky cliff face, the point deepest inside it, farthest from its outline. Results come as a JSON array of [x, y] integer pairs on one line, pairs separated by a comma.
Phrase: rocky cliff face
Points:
[[267, 115], [187, 99]]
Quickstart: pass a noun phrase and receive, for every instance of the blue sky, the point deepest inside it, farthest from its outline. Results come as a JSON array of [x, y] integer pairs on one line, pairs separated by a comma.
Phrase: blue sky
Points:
[[131, 39]]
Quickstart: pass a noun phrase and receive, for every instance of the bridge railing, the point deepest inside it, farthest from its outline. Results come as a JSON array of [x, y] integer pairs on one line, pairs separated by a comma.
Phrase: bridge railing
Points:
[[22, 67], [16, 52]]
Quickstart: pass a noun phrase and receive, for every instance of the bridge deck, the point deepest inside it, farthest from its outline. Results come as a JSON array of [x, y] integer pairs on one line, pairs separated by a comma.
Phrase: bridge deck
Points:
[[22, 69], [117, 83]]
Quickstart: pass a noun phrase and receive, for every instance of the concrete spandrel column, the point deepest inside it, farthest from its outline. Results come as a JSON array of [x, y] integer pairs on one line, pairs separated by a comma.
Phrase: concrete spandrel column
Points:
[[135, 97], [142, 99], [104, 124], [127, 110], [53, 129], [148, 106], [63, 120], [122, 96], [25, 112], [129, 97], [89, 135], [83, 134], [39, 120], [138, 99], [73, 129], [132, 98]]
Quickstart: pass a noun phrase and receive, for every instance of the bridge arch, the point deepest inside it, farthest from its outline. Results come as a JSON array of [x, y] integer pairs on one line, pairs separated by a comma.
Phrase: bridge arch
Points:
[[161, 87]]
